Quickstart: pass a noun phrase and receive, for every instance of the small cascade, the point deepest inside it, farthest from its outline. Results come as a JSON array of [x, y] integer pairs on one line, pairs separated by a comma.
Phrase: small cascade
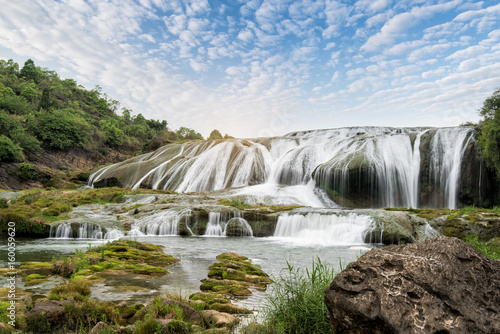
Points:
[[238, 227], [323, 229], [85, 231], [227, 224], [165, 222], [62, 231], [215, 225], [89, 231]]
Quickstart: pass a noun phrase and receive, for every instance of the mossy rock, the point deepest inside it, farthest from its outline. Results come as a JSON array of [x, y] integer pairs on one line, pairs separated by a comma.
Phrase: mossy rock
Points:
[[230, 287], [34, 277], [231, 257], [456, 227], [42, 268], [210, 298], [494, 242], [230, 308]]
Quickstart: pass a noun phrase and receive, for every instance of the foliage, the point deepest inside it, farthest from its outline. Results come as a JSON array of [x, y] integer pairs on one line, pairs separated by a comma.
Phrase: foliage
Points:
[[215, 134], [184, 133], [3, 203], [9, 152], [39, 110], [297, 303], [62, 129], [489, 131], [26, 172]]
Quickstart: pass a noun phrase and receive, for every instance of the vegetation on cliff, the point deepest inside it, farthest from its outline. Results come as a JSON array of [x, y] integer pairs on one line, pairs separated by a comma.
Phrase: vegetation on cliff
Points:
[[489, 131]]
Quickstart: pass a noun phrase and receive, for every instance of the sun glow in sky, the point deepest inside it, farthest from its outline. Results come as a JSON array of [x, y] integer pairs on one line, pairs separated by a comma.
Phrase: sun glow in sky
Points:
[[268, 67]]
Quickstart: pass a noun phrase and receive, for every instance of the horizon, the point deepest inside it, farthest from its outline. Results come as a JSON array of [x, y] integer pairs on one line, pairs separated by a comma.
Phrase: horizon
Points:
[[268, 68]]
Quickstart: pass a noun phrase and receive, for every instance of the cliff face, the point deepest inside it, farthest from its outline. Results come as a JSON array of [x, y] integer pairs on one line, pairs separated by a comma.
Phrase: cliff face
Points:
[[55, 169]]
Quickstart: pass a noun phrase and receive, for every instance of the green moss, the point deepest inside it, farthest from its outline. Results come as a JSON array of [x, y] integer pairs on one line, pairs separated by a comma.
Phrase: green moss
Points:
[[34, 276], [26, 265], [235, 204]]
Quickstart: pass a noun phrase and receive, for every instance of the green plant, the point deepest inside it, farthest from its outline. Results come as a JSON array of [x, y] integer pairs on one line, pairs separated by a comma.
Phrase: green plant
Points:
[[4, 203], [490, 250], [296, 304], [9, 152]]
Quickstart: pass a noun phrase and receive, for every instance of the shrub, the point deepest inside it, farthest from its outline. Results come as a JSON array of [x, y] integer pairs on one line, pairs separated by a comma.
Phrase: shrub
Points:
[[56, 209], [63, 130], [4, 203], [26, 172], [9, 152]]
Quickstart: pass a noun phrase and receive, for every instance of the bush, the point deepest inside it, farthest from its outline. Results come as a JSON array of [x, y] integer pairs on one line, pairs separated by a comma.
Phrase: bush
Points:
[[297, 302], [56, 209], [3, 203], [9, 152], [15, 104], [63, 130], [26, 172]]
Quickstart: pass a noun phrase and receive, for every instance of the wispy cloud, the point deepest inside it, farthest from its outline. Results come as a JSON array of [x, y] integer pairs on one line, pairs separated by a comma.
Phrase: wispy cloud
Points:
[[244, 67]]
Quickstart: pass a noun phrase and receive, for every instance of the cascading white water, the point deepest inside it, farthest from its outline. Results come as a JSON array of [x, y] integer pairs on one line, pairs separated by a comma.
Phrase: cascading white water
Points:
[[165, 222], [85, 231], [215, 225], [447, 149], [386, 161], [238, 227], [61, 231], [323, 229]]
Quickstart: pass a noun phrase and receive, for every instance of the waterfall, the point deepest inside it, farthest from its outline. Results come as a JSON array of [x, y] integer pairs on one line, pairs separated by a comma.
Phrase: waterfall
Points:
[[447, 149], [215, 227], [323, 229], [238, 227], [61, 231], [85, 231], [367, 166], [227, 224], [165, 222]]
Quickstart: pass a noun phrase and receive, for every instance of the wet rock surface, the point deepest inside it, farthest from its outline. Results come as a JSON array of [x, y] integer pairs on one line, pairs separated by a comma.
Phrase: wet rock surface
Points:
[[440, 285]]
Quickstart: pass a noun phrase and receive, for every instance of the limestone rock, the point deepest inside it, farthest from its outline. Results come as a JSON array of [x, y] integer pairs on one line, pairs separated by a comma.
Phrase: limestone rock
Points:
[[440, 285], [100, 327], [50, 311], [219, 319]]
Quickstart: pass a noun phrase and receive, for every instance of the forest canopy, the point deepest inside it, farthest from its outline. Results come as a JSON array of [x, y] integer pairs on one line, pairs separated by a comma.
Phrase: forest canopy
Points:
[[40, 111]]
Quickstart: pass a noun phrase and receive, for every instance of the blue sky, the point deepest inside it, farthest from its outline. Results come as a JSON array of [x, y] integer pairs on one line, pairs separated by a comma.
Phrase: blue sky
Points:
[[265, 68]]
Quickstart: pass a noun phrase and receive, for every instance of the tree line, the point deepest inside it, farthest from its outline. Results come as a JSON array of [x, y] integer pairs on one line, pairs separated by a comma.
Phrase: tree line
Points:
[[40, 111]]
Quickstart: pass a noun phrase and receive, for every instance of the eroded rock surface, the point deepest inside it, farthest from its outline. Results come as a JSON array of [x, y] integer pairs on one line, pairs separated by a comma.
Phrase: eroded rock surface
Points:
[[441, 285]]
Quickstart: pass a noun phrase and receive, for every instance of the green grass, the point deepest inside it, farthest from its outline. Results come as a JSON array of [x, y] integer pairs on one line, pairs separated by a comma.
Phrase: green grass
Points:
[[489, 249], [297, 303]]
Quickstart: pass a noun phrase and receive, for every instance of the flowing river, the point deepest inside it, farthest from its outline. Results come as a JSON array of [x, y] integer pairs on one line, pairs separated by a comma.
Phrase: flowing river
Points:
[[196, 255]]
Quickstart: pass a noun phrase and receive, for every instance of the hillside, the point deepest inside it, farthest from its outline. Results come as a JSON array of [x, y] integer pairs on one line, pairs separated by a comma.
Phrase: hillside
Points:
[[53, 131]]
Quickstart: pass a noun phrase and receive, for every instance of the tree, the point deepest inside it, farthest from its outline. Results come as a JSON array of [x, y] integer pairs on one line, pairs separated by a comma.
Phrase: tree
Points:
[[215, 134], [45, 100], [63, 130], [188, 134], [489, 131], [29, 92], [31, 72], [114, 135]]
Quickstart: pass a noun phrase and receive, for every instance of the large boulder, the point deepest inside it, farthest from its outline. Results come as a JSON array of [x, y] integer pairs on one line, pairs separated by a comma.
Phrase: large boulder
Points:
[[440, 285]]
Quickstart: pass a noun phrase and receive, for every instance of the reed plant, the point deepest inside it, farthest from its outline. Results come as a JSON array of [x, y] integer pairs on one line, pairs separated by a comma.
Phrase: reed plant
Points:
[[297, 302]]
